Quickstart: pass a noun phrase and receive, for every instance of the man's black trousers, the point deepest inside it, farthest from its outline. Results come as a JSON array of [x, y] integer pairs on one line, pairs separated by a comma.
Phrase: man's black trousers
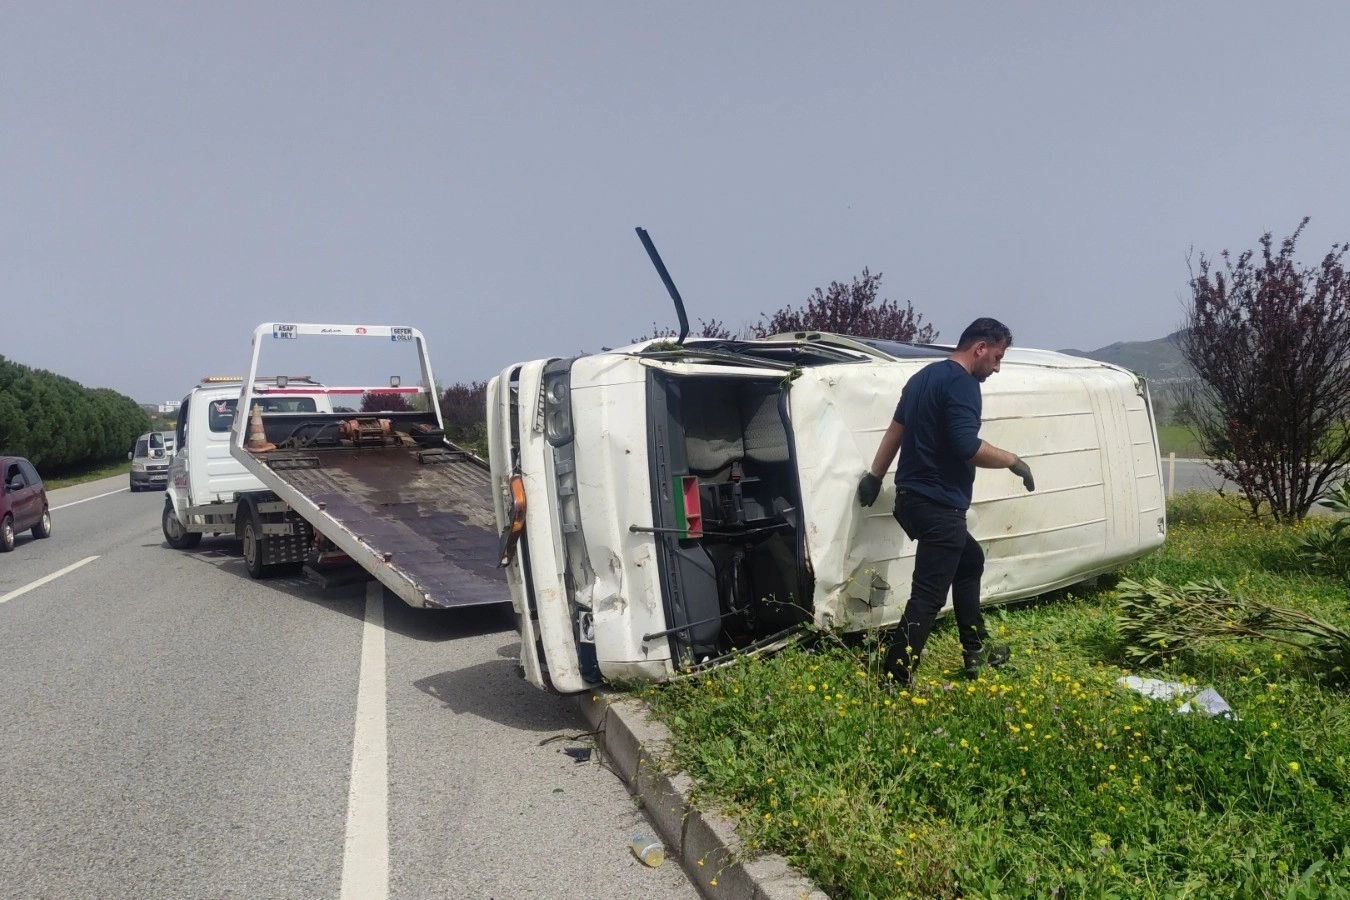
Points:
[[947, 558]]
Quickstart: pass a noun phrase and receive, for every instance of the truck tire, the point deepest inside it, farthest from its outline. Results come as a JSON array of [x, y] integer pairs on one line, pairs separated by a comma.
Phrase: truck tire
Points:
[[253, 539], [175, 534], [253, 547]]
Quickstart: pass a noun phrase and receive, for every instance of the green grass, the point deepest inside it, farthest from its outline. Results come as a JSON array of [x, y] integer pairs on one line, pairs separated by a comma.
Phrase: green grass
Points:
[[80, 476], [1045, 778], [1180, 440]]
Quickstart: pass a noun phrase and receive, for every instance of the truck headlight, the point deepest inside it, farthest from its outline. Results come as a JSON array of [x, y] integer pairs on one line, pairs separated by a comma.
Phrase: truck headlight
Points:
[[557, 389]]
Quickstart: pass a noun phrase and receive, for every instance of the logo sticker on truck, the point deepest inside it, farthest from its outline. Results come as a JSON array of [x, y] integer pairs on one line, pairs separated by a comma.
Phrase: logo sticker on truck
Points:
[[400, 334], [284, 332]]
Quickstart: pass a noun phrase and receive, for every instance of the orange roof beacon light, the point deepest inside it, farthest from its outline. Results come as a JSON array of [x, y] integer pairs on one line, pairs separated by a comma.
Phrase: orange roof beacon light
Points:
[[513, 531]]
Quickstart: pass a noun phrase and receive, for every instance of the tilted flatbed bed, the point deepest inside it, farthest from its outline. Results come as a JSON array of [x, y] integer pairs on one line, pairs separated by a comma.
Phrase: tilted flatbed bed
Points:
[[386, 488]]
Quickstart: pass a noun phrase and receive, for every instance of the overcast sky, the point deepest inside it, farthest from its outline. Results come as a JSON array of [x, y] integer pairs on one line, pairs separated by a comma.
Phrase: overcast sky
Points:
[[172, 174]]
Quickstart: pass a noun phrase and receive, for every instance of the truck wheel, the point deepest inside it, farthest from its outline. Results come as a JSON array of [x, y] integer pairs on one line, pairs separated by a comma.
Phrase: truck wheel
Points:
[[43, 529], [253, 539], [178, 537], [7, 533]]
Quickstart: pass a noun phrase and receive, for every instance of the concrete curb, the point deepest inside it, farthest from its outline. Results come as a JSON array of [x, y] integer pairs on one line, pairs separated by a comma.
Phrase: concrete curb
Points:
[[637, 747]]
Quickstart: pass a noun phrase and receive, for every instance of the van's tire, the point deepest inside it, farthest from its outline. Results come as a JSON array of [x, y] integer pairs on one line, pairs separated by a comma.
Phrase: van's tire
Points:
[[177, 537], [43, 529], [134, 487], [6, 533]]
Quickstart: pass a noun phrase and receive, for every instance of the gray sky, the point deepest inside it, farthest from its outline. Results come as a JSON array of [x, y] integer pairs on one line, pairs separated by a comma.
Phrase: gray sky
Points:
[[173, 174]]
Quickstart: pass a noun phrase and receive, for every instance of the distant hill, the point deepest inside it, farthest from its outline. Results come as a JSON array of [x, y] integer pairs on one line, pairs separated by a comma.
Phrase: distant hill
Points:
[[1159, 360]]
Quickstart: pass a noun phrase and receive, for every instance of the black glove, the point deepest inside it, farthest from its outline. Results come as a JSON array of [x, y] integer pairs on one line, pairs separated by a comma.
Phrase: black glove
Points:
[[1023, 471], [868, 489]]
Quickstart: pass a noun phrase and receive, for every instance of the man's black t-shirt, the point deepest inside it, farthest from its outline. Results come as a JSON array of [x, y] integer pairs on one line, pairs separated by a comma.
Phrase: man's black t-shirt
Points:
[[940, 408]]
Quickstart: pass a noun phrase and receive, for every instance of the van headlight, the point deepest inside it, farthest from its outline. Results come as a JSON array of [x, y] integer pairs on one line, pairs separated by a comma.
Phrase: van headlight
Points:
[[557, 390]]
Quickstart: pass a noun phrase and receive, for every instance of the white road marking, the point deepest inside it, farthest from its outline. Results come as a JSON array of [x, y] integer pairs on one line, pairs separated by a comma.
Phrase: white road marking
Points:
[[87, 499], [365, 857], [46, 578]]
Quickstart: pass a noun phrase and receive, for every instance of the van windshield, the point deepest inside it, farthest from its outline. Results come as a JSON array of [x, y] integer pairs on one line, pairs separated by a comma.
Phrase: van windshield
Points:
[[142, 447], [222, 411]]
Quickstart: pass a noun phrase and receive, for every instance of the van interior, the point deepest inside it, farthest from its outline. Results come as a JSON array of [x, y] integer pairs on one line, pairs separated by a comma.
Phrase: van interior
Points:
[[727, 498]]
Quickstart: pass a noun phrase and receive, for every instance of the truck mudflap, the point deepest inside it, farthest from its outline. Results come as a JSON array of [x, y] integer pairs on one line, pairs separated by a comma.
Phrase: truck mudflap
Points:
[[420, 522]]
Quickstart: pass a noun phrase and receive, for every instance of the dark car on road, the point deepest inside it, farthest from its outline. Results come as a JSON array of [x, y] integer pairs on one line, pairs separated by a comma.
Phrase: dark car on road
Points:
[[23, 502]]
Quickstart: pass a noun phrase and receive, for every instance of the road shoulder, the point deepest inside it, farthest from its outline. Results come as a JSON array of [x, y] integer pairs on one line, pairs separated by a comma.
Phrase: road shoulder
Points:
[[636, 748]]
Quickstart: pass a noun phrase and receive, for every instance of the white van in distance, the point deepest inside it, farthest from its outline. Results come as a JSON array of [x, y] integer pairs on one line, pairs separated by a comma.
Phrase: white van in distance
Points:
[[150, 460]]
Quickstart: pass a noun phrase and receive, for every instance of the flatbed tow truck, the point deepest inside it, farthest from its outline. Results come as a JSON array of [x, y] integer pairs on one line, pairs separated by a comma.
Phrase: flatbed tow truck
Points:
[[387, 489]]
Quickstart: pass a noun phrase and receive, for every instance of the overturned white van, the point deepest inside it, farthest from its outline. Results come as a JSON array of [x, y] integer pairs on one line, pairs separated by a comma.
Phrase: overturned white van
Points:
[[664, 505]]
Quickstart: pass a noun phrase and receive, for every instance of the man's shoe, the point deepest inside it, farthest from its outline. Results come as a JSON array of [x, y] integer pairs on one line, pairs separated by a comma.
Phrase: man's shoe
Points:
[[993, 655]]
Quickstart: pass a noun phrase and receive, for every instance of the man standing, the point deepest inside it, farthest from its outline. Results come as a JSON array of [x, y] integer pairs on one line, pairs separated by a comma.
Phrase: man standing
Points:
[[937, 431]]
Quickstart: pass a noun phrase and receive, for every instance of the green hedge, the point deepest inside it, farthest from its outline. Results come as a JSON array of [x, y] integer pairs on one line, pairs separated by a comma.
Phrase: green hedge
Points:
[[59, 424]]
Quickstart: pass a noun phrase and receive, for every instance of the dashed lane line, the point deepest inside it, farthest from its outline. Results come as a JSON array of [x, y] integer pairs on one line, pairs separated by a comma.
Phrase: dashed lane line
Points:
[[87, 499], [46, 578]]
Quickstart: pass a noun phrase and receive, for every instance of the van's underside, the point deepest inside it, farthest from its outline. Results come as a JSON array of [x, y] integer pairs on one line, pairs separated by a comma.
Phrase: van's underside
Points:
[[726, 512]]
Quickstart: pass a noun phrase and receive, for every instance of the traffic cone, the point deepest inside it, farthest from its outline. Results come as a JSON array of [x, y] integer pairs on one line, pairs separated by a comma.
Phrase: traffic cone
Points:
[[257, 438]]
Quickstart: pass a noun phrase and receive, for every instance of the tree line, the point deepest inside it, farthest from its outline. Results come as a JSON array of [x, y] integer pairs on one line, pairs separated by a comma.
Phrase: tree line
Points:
[[59, 424], [1268, 337], [854, 308]]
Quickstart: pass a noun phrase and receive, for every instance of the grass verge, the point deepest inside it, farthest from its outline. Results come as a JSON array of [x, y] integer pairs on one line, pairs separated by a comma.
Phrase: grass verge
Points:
[[1047, 777], [94, 473], [1180, 440]]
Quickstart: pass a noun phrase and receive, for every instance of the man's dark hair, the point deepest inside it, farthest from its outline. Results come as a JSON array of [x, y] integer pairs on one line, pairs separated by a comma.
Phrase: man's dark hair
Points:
[[985, 329]]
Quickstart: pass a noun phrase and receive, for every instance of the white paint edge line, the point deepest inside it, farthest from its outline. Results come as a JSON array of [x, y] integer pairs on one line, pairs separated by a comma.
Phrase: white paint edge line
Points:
[[87, 499], [365, 857], [41, 581]]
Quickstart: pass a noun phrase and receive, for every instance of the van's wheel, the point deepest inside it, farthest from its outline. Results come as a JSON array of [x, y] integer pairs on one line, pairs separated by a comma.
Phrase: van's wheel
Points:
[[43, 529], [7, 533], [178, 537]]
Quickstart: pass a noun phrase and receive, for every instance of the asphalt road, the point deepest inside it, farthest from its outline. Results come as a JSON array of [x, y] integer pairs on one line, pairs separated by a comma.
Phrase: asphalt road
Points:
[[1192, 475], [174, 729]]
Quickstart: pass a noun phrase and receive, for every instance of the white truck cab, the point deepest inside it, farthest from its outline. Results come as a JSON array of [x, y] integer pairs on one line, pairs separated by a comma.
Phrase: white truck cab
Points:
[[204, 480]]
